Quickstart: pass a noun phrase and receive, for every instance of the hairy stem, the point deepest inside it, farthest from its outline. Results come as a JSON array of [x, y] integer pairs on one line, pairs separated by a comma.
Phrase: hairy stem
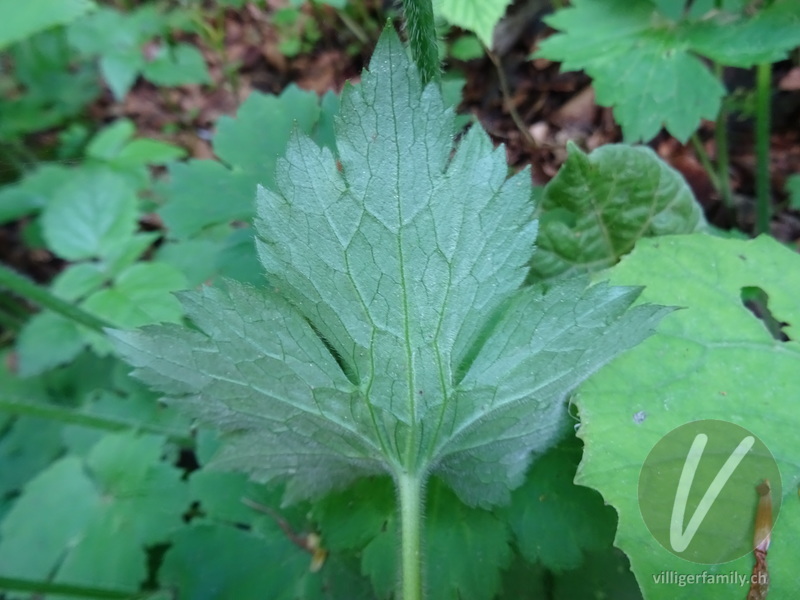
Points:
[[35, 293], [422, 38], [410, 489], [763, 89]]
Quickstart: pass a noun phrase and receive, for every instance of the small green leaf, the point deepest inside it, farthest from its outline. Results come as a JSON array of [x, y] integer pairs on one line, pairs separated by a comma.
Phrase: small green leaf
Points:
[[478, 16], [201, 193], [24, 19], [597, 206], [255, 139], [145, 151], [109, 141], [46, 341], [195, 258], [90, 215], [177, 65], [466, 47], [140, 295], [124, 254], [32, 193], [77, 281], [120, 70]]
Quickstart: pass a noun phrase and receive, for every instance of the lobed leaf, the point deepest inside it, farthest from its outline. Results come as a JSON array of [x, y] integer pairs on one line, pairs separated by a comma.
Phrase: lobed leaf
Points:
[[648, 64], [395, 337]]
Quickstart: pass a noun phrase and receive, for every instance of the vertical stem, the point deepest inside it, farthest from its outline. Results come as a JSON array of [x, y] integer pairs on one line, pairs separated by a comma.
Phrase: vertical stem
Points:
[[763, 89], [422, 38], [721, 143], [411, 499]]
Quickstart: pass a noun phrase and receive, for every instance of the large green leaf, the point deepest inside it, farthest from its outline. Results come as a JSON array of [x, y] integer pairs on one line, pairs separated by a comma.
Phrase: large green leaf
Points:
[[23, 19], [713, 360], [396, 337], [597, 206]]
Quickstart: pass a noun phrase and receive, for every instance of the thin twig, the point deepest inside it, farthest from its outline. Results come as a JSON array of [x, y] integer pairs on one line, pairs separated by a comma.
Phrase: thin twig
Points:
[[354, 27], [705, 160], [721, 143], [504, 89]]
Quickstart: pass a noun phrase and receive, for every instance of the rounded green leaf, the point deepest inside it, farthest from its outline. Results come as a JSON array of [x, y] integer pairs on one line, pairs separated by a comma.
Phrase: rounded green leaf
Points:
[[90, 215], [715, 359]]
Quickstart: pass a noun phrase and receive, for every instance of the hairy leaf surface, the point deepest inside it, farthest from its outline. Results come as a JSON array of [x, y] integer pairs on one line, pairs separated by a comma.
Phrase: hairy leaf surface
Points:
[[395, 336]]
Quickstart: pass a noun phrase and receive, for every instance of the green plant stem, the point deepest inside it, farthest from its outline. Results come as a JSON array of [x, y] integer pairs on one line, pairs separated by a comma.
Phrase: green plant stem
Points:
[[35, 293], [763, 200], [705, 160], [410, 490], [354, 27], [66, 415], [61, 589], [422, 38], [723, 156], [721, 143]]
